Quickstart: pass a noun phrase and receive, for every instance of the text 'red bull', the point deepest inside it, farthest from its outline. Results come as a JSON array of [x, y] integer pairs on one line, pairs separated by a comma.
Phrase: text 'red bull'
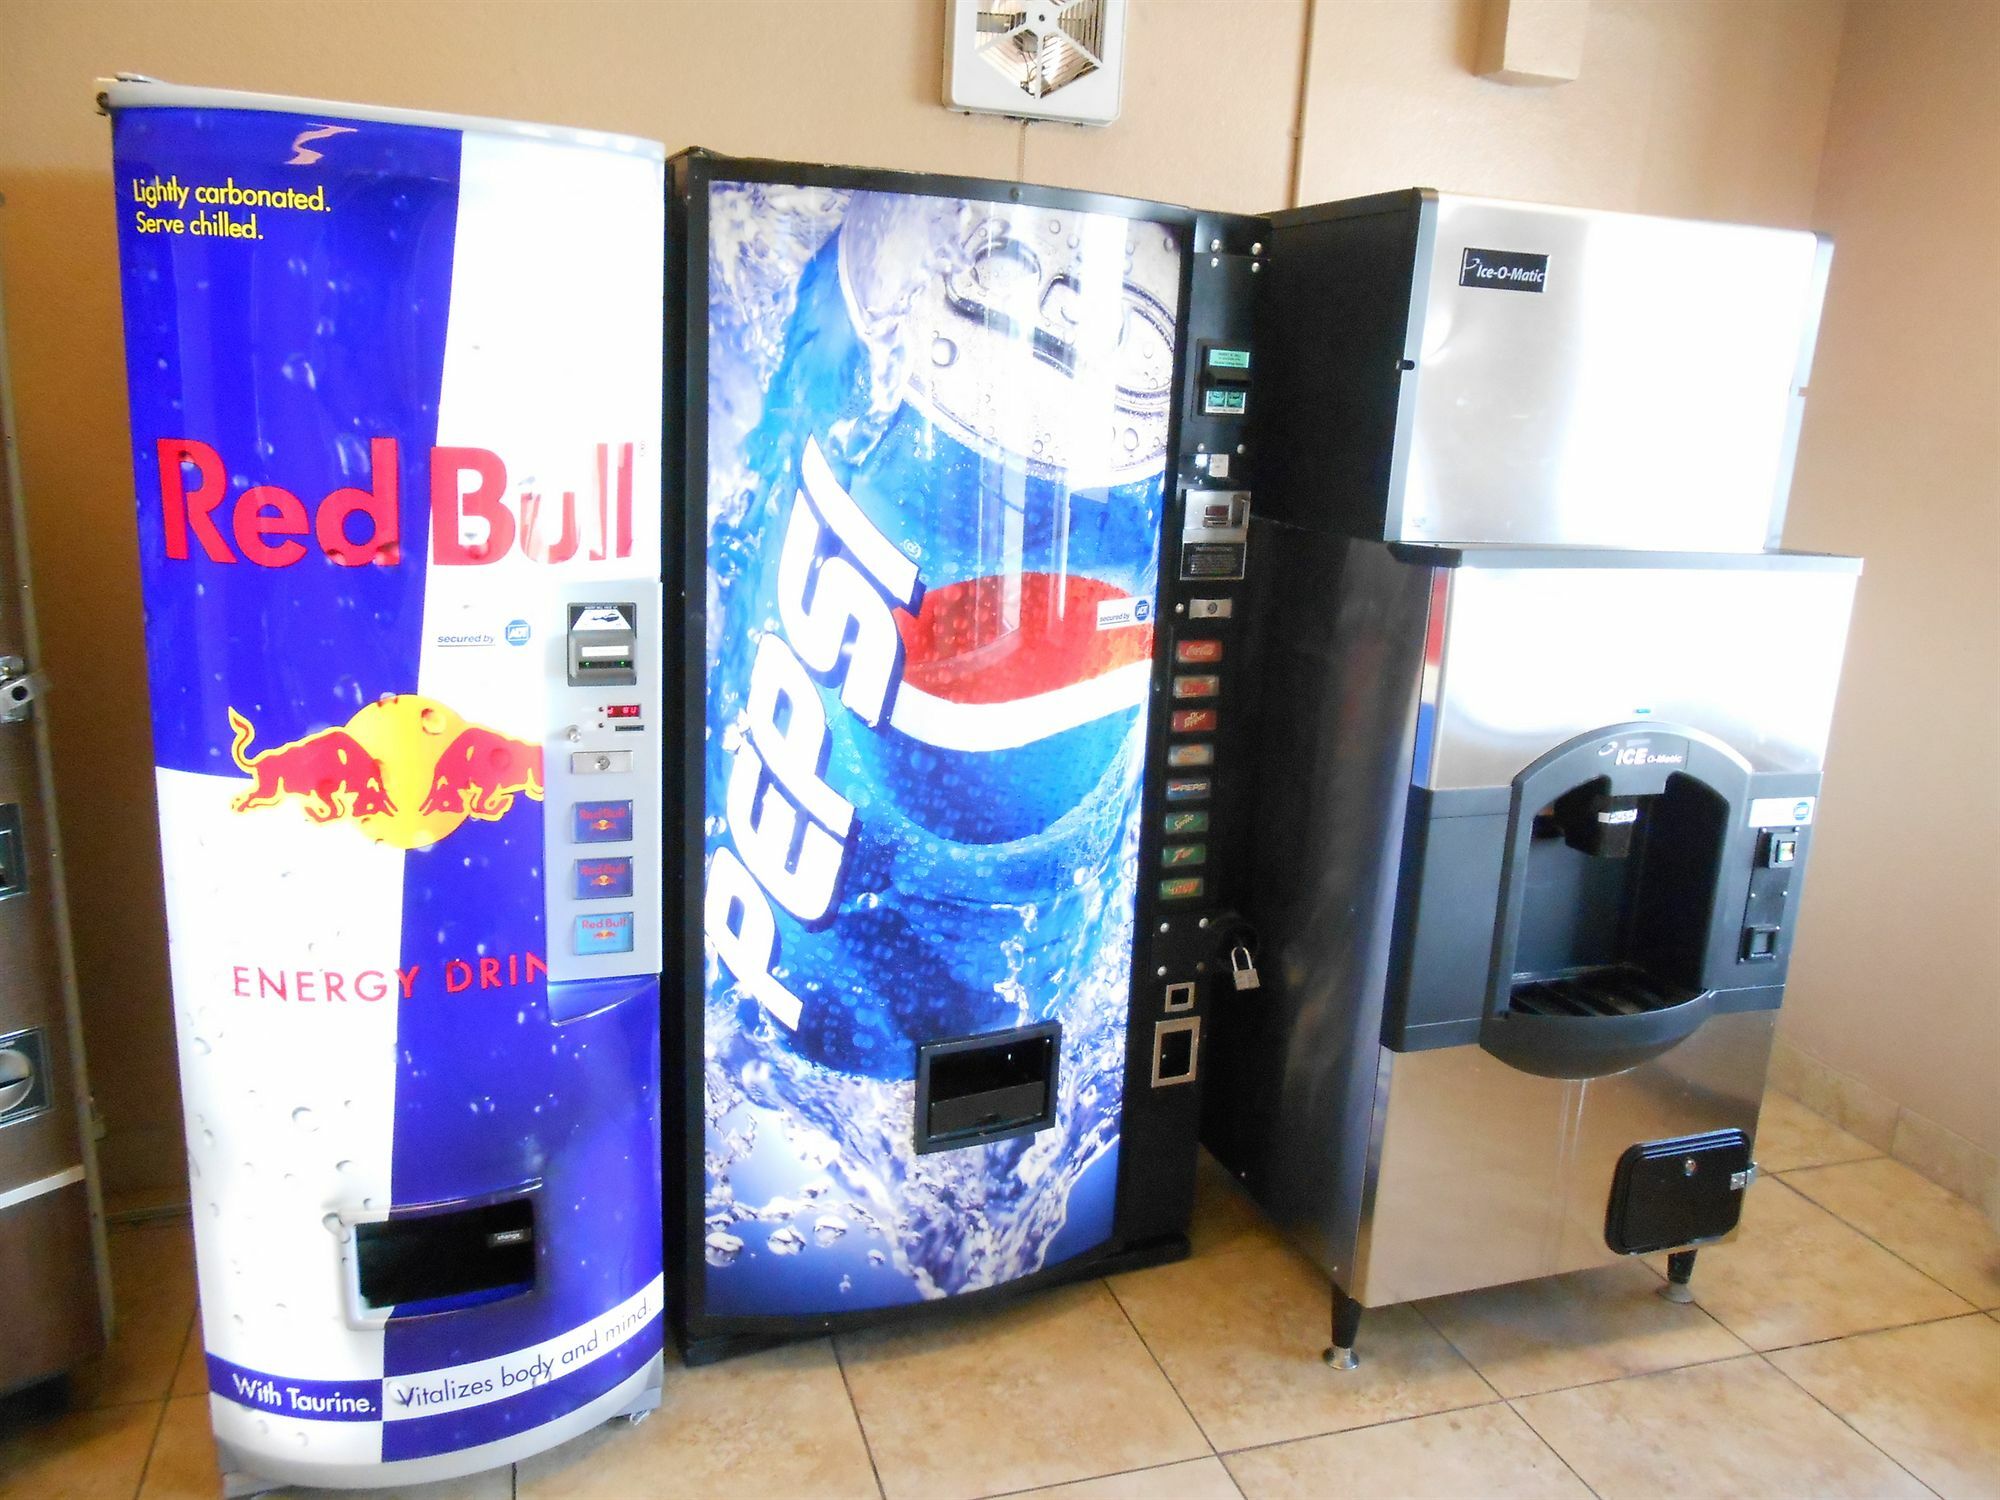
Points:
[[270, 525]]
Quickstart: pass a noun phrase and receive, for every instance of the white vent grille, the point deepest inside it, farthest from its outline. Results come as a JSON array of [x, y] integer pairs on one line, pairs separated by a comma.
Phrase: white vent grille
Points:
[[1040, 46], [1036, 59]]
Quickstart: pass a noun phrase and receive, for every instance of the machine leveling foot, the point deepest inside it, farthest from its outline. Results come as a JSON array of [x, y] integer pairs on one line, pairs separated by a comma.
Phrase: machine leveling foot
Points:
[[1680, 1270], [1346, 1324]]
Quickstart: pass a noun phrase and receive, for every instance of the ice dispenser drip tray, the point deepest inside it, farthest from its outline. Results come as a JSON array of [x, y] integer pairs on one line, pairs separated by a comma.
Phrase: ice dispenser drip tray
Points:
[[986, 1088]]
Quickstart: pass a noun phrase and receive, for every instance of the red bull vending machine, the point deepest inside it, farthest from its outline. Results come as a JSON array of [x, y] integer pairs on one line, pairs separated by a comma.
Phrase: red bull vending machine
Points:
[[396, 412], [965, 507]]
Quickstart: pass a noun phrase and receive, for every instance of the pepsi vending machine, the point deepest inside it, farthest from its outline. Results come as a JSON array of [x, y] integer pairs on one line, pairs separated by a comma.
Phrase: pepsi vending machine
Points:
[[965, 509], [396, 409]]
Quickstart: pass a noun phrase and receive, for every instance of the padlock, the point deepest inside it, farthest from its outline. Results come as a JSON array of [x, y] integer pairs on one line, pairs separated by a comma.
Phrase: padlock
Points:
[[1243, 968]]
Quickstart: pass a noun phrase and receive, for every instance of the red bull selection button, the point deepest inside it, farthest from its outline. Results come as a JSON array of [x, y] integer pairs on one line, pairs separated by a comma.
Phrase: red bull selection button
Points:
[[1197, 651], [1196, 685], [1191, 755], [602, 879], [1184, 854], [601, 822], [1194, 721], [1182, 888], [606, 932], [1177, 823]]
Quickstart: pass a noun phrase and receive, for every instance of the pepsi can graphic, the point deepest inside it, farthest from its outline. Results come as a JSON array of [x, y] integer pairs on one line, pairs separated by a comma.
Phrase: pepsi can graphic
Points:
[[395, 400], [936, 438]]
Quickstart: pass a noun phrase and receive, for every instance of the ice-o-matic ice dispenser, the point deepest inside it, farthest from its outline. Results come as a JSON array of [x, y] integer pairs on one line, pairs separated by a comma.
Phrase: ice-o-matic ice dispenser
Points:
[[1537, 732], [396, 415]]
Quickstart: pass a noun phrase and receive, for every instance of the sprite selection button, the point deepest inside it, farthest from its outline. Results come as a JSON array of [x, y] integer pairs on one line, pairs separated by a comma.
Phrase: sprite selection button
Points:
[[1176, 823], [601, 822], [1184, 854], [1182, 887], [606, 932], [602, 879]]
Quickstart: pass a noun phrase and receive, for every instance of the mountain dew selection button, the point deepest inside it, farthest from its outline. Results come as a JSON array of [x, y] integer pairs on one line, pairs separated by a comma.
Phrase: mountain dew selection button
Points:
[[1184, 854], [607, 932], [1202, 754], [1182, 887], [1189, 789], [1194, 721], [602, 879], [1176, 823], [1196, 685], [601, 822]]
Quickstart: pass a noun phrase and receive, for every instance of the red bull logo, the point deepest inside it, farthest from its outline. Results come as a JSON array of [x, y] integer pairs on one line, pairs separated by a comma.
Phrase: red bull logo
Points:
[[406, 771], [473, 522]]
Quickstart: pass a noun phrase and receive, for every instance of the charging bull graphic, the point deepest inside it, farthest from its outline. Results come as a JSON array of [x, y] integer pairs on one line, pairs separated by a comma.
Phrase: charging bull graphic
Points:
[[406, 770]]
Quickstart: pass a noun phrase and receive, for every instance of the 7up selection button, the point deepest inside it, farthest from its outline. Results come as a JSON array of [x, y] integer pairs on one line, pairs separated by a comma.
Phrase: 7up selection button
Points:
[[607, 932]]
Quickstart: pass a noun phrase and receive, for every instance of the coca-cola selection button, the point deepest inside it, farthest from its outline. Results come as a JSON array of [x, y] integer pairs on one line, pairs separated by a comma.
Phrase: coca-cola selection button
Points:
[[1197, 651]]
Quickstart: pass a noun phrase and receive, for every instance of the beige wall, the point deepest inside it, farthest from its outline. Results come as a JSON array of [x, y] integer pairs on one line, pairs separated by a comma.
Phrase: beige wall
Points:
[[1898, 981], [1686, 106]]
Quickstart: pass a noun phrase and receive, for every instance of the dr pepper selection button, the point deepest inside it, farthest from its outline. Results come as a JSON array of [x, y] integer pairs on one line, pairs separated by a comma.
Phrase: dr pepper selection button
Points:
[[1194, 721], [1192, 652], [601, 822], [602, 879], [1176, 823], [1182, 888], [1191, 755], [1196, 685]]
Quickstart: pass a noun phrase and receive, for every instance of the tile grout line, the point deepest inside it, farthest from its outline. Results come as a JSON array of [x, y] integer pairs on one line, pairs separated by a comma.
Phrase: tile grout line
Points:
[[1036, 1489], [165, 1399], [1126, 1313], [1842, 1219], [854, 1409], [1446, 1339], [1561, 1457], [152, 1447], [1314, 1437], [1838, 1417]]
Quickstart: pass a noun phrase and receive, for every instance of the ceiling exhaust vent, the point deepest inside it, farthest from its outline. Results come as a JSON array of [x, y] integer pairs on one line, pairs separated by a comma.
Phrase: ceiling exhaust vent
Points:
[[1036, 59]]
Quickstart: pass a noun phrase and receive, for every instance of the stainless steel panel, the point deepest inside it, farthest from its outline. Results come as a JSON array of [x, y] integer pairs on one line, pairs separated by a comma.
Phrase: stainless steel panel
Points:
[[1483, 1175], [1648, 397], [1534, 656]]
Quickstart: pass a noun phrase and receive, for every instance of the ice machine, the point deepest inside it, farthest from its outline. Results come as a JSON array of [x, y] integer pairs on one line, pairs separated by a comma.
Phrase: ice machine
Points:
[[1538, 727]]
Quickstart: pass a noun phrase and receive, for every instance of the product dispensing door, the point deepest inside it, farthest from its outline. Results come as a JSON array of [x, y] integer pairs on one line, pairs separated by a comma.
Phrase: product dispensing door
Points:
[[396, 417], [935, 431]]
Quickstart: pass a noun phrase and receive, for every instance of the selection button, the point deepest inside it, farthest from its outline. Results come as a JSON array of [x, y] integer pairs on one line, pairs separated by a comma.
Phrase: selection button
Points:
[[605, 932], [1194, 721], [1191, 652], [1177, 823], [1196, 685], [1202, 754], [1189, 789], [603, 879], [601, 822], [1182, 888], [1176, 855]]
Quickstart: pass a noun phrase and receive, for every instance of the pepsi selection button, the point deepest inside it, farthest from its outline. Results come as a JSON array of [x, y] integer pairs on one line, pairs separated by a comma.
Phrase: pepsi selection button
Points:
[[1194, 721], [1176, 823], [1189, 789], [1184, 854], [1202, 754], [1196, 685], [1182, 888], [602, 879], [601, 822], [1198, 651], [602, 932]]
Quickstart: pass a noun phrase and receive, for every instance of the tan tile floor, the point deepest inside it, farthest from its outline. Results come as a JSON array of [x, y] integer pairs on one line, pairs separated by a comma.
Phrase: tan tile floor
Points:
[[1836, 1348]]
